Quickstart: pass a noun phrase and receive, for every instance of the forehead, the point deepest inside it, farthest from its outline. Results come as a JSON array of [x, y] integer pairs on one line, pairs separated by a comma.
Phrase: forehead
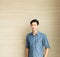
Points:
[[34, 23]]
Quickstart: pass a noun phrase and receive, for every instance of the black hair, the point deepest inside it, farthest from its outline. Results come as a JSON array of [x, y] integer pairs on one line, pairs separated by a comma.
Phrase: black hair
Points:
[[34, 20]]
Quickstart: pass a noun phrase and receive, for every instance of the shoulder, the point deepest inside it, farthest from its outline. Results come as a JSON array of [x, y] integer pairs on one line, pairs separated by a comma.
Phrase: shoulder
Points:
[[28, 35], [42, 34]]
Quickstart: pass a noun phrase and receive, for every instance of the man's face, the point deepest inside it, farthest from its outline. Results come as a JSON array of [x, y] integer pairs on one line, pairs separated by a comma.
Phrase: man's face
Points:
[[34, 26]]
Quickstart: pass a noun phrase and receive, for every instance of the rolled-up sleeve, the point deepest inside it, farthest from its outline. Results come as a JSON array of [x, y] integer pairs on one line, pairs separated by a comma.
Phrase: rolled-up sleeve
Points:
[[45, 41], [27, 42]]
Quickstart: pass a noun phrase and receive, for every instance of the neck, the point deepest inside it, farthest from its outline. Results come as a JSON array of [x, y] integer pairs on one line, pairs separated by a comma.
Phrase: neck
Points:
[[34, 32]]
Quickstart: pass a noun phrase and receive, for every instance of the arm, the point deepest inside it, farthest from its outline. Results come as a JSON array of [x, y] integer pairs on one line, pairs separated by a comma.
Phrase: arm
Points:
[[27, 51], [27, 46], [46, 44], [46, 52]]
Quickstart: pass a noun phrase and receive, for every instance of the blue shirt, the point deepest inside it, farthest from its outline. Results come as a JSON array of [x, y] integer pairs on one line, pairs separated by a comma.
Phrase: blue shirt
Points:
[[36, 44]]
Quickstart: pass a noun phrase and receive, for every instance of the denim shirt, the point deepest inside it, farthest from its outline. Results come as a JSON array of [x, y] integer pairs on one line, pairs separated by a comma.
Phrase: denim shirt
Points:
[[36, 44]]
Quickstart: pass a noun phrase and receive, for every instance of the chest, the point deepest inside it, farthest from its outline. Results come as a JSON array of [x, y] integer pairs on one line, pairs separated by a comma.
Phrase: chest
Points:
[[36, 40]]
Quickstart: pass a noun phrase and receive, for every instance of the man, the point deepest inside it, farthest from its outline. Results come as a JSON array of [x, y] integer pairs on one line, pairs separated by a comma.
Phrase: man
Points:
[[36, 41]]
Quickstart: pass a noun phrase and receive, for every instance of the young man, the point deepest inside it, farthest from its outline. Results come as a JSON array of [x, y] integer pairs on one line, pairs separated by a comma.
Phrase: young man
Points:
[[36, 41]]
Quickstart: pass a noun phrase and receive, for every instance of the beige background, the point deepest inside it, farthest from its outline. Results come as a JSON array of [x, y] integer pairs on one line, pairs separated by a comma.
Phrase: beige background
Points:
[[15, 16]]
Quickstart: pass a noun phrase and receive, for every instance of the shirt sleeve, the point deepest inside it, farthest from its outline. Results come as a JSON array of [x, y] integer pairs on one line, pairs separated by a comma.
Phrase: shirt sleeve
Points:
[[45, 42], [27, 42]]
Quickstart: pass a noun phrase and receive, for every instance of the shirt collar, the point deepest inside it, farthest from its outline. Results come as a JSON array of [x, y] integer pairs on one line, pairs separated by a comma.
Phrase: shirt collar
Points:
[[36, 34]]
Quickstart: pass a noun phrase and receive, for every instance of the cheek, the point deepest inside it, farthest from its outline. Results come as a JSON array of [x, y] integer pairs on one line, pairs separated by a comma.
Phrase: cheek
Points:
[[34, 27]]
